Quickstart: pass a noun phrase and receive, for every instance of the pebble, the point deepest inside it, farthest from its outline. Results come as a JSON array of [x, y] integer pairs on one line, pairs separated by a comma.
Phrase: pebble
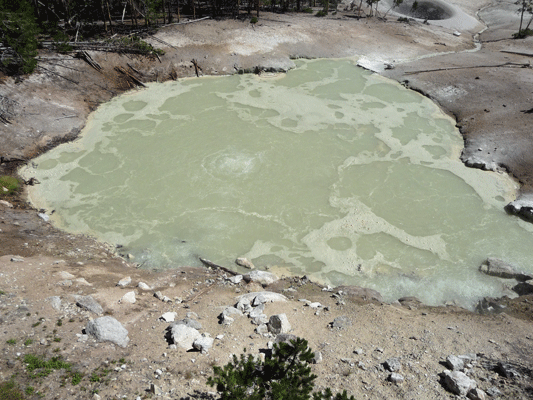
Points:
[[396, 378]]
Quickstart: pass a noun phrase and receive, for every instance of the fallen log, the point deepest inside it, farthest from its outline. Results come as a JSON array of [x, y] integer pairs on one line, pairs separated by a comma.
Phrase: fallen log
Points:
[[67, 116], [507, 64], [187, 22], [216, 266], [196, 67], [83, 55], [517, 53], [134, 70], [133, 78]]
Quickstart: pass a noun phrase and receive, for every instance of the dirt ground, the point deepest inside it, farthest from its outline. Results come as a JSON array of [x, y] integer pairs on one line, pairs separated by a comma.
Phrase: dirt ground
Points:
[[486, 85]]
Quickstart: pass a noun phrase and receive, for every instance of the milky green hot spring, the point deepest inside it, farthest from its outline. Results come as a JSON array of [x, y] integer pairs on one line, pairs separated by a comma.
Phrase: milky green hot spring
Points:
[[328, 171]]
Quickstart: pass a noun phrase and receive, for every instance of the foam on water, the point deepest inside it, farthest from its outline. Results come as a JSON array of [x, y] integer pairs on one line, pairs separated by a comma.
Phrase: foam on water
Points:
[[328, 171]]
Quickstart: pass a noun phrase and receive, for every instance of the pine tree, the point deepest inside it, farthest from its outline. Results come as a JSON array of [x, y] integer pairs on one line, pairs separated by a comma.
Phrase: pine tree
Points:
[[286, 375], [18, 30]]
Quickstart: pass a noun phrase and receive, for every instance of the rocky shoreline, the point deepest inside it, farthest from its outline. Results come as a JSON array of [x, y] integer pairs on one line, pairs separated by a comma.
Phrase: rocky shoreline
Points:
[[374, 349]]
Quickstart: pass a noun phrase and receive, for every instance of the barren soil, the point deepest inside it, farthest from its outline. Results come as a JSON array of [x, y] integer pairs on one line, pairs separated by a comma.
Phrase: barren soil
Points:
[[488, 91]]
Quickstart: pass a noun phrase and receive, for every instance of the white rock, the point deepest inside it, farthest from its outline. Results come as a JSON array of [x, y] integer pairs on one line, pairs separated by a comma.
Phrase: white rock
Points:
[[168, 316], [256, 298], [263, 277], [315, 305], [226, 320], [260, 319], [231, 311], [262, 329], [184, 336], [6, 204], [393, 364], [90, 304], [454, 363], [124, 281], [235, 279], [66, 275], [317, 357], [17, 259], [396, 378], [476, 394], [203, 344], [257, 311], [108, 329], [82, 281], [458, 383], [55, 302], [44, 217], [143, 286], [267, 298], [244, 262], [128, 298]]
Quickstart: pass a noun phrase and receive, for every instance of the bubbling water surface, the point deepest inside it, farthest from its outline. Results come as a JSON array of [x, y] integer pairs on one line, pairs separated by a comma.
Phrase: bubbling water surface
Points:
[[328, 171]]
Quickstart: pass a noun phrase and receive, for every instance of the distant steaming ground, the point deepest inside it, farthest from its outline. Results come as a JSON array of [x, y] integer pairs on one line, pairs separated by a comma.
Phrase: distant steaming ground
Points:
[[327, 171]]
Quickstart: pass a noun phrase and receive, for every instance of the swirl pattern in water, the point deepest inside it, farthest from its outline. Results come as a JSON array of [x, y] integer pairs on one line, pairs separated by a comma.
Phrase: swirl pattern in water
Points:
[[328, 171]]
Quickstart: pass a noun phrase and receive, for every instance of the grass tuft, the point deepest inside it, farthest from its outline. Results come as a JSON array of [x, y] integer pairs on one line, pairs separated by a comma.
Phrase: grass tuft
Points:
[[9, 390], [42, 366], [8, 185]]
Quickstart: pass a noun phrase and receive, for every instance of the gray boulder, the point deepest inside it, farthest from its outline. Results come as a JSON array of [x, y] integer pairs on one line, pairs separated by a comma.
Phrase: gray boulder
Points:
[[226, 320], [502, 269], [189, 322], [396, 378], [454, 363], [476, 394], [124, 281], [203, 344], [263, 277], [184, 336], [235, 279], [262, 329], [458, 383], [128, 298], [279, 323], [257, 311], [108, 329], [285, 338], [55, 302], [257, 298], [227, 316], [341, 322], [317, 358], [393, 364], [260, 319], [90, 304], [232, 311], [244, 262]]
